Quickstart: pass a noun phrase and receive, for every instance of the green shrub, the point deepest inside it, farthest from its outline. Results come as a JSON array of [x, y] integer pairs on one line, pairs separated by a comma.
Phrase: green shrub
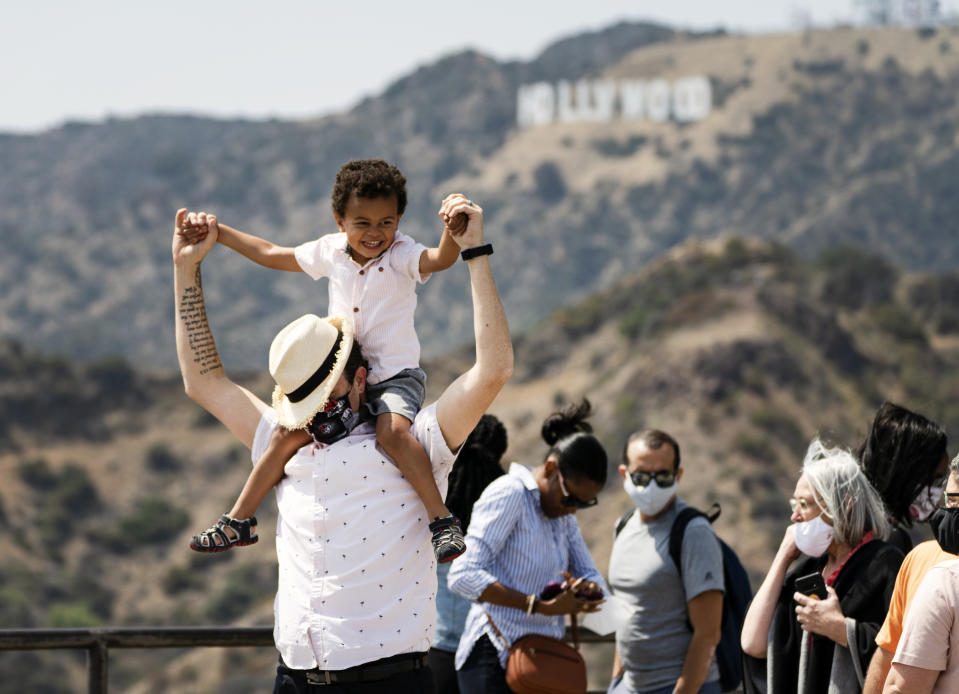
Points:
[[900, 323], [160, 458], [155, 521], [71, 615], [181, 578], [246, 585], [780, 427], [550, 186], [757, 447], [37, 474]]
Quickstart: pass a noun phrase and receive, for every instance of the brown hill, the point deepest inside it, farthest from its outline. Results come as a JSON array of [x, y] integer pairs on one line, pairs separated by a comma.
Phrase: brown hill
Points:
[[740, 348]]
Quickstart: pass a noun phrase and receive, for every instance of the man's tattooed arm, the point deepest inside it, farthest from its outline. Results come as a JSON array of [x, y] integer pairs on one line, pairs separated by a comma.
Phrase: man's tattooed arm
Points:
[[199, 338]]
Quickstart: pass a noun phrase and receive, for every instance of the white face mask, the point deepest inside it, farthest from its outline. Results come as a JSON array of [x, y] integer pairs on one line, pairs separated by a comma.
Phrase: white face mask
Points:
[[813, 537], [650, 499], [924, 504]]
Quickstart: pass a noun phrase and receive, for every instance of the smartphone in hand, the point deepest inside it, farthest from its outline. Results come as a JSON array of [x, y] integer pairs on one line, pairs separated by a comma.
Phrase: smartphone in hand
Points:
[[812, 585]]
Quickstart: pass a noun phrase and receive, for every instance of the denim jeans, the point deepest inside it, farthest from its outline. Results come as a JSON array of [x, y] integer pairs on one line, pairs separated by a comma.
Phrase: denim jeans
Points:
[[294, 682], [482, 673], [617, 686]]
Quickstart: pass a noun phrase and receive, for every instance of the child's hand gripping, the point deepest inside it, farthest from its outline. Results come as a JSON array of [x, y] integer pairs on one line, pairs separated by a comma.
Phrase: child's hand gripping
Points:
[[192, 237], [463, 219]]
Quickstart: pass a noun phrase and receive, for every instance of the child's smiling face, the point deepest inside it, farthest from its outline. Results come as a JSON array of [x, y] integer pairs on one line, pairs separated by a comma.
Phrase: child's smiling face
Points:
[[370, 225]]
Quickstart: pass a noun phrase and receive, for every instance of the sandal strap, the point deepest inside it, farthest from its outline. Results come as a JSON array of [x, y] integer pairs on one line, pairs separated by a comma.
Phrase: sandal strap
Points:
[[243, 527], [444, 523], [212, 534]]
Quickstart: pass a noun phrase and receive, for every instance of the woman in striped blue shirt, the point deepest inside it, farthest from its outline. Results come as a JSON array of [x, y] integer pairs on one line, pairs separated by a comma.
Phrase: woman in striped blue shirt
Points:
[[523, 535]]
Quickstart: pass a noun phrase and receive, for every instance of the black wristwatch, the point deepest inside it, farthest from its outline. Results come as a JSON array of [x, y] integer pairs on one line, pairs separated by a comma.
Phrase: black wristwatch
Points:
[[476, 251]]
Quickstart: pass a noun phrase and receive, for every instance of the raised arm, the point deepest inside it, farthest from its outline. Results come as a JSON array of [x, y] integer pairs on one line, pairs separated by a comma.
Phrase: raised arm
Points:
[[258, 250], [759, 616], [203, 377], [441, 257], [462, 404]]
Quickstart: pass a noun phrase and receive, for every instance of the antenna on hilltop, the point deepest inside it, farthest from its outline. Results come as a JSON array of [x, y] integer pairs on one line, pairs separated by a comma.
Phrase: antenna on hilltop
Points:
[[900, 12]]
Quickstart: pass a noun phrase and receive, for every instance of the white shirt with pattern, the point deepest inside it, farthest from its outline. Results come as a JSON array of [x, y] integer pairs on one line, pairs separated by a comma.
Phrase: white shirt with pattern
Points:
[[379, 297], [357, 575]]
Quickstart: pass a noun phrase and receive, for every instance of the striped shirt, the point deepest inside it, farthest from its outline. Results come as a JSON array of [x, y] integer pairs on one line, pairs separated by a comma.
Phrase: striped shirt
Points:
[[379, 297], [510, 540]]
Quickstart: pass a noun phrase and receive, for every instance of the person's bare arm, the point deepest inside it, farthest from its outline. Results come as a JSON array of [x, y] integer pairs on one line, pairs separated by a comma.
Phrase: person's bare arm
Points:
[[706, 616], [441, 257], [618, 668], [563, 603], [203, 377], [468, 397], [878, 671], [258, 250], [760, 613], [908, 679]]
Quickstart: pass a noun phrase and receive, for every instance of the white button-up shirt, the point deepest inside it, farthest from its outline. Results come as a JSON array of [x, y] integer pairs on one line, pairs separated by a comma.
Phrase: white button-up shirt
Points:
[[379, 297], [357, 575]]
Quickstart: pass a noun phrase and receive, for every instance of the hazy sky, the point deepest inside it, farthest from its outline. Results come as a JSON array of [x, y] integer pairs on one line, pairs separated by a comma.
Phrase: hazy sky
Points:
[[63, 59]]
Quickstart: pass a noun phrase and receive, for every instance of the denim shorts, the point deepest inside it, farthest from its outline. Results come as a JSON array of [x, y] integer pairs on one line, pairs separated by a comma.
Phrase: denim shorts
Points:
[[402, 394]]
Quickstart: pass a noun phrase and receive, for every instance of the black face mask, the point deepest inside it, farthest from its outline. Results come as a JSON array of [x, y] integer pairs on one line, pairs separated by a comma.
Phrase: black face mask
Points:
[[945, 525], [334, 421]]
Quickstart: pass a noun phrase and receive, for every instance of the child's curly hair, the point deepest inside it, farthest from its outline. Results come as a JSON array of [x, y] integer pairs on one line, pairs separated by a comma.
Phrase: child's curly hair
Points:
[[368, 178]]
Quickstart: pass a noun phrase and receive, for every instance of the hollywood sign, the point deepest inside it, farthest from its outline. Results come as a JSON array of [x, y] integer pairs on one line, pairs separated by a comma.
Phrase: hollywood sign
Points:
[[601, 101]]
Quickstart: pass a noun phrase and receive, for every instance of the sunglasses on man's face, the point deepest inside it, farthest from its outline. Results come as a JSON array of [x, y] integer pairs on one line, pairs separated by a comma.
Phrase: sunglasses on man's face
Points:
[[664, 478], [570, 500]]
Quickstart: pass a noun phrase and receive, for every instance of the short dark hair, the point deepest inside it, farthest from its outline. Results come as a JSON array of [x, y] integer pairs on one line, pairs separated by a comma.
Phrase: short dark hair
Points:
[[900, 455], [368, 178], [355, 361], [579, 454], [654, 439]]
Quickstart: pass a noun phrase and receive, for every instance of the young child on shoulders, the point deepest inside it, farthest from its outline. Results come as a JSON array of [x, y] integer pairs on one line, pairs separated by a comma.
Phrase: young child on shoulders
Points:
[[373, 269]]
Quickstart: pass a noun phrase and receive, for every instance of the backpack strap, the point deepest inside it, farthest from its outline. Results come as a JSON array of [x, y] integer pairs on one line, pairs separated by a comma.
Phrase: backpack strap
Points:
[[678, 531], [623, 520]]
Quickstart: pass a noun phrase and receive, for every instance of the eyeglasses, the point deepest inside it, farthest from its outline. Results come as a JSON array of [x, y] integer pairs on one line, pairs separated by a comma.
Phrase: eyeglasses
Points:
[[570, 500], [802, 505], [950, 500], [663, 478]]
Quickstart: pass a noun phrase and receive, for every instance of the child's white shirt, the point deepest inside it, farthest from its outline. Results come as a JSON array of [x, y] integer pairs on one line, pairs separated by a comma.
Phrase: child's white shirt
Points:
[[379, 297]]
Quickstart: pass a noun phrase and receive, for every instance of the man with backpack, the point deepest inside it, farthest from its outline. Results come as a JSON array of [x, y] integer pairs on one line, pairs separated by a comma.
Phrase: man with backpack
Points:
[[668, 644]]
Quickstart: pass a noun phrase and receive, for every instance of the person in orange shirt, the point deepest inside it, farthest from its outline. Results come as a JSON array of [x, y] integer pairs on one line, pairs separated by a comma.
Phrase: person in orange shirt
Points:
[[914, 568]]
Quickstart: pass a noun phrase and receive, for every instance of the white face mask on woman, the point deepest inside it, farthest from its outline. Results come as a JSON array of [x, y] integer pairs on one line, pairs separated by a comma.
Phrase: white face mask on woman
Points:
[[650, 499], [813, 537]]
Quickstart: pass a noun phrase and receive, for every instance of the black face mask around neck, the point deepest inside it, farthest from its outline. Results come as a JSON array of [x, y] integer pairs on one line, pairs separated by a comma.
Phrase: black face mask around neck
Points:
[[334, 421], [945, 526]]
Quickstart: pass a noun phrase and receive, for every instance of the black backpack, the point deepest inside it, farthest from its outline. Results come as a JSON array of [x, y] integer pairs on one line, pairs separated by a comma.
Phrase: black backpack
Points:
[[736, 596]]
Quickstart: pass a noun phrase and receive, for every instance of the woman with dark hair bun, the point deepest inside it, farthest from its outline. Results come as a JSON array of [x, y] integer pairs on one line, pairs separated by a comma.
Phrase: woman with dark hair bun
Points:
[[523, 535], [904, 457], [477, 464]]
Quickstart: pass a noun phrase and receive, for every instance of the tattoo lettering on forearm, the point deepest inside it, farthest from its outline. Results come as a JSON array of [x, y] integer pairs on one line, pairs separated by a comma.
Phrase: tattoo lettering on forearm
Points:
[[199, 337]]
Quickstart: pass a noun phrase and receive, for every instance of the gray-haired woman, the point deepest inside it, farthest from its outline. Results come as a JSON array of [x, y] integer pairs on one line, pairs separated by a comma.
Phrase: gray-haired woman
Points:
[[794, 642]]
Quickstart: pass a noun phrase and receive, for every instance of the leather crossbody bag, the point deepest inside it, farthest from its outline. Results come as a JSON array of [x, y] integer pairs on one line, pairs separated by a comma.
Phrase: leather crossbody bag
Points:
[[540, 664]]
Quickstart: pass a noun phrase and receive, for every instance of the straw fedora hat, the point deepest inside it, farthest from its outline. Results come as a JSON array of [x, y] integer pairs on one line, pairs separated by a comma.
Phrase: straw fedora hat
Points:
[[306, 360]]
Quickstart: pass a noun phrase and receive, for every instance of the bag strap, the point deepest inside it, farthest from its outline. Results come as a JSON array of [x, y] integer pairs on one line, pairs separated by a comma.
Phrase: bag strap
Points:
[[678, 531], [499, 633], [574, 628], [621, 523]]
